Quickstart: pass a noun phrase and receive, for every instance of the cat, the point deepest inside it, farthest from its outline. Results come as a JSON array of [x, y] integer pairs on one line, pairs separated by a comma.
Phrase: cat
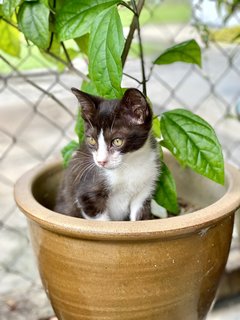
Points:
[[112, 176]]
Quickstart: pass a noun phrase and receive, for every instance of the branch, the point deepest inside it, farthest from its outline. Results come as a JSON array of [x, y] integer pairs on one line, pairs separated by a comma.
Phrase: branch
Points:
[[132, 29], [66, 54], [71, 67], [150, 72], [141, 50], [51, 42], [124, 4], [9, 22], [36, 85], [133, 78]]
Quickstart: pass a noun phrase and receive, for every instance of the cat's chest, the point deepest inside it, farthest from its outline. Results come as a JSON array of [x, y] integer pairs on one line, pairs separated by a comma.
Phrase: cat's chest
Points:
[[125, 183], [128, 179], [137, 170]]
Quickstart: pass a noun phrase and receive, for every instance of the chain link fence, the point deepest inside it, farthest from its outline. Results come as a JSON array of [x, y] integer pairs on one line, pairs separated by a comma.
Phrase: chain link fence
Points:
[[37, 112]]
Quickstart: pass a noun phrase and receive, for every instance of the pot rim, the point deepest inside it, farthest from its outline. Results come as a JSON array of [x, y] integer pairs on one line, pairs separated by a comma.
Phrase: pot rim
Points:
[[197, 221]]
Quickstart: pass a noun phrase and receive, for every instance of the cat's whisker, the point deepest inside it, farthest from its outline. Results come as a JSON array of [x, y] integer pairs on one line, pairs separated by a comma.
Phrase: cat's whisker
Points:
[[76, 166], [80, 162], [79, 175], [89, 167], [88, 170], [82, 172]]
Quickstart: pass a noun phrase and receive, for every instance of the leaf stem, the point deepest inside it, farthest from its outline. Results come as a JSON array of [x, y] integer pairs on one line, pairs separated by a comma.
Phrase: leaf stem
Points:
[[66, 54], [140, 48], [132, 29], [133, 78], [124, 4], [150, 73], [51, 42], [10, 23]]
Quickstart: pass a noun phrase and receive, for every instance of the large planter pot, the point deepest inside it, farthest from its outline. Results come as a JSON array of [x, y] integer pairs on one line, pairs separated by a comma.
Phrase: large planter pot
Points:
[[237, 223], [166, 269]]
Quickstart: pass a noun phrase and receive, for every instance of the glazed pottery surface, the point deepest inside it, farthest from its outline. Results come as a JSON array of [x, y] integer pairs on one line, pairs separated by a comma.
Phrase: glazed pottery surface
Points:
[[166, 269]]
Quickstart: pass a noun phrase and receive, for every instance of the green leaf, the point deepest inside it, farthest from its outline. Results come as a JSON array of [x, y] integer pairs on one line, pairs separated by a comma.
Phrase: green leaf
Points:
[[188, 51], [9, 39], [193, 142], [166, 194], [156, 127], [75, 17], [89, 87], [67, 152], [9, 7], [82, 43], [45, 2], [33, 20], [79, 128], [57, 4], [105, 48]]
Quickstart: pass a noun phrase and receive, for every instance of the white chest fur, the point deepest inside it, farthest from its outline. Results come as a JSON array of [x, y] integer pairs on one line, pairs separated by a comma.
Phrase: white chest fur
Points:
[[132, 183]]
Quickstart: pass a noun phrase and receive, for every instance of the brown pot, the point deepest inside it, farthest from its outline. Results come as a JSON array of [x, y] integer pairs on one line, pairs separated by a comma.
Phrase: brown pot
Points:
[[166, 269]]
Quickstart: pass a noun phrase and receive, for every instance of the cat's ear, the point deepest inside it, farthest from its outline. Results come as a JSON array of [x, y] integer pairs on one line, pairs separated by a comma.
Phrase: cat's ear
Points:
[[136, 106], [87, 102]]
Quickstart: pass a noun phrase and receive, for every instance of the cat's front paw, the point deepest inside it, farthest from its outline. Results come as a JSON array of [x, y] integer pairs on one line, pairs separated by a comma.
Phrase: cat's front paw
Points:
[[142, 213], [102, 216]]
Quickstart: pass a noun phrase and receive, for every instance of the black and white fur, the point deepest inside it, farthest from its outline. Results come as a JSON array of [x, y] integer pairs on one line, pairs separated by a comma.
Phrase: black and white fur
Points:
[[105, 181]]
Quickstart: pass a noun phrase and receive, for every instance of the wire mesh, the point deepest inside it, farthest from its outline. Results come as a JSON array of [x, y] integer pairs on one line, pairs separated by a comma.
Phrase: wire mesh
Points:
[[37, 113]]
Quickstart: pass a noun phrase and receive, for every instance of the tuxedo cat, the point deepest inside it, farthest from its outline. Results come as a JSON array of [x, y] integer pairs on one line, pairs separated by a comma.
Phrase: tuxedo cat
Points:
[[113, 174]]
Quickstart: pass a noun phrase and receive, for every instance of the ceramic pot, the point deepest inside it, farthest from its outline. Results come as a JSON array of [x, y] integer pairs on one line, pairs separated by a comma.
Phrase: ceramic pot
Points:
[[166, 269], [237, 223]]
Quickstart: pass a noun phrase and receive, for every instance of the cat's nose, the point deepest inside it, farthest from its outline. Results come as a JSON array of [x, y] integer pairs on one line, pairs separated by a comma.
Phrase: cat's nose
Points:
[[102, 163]]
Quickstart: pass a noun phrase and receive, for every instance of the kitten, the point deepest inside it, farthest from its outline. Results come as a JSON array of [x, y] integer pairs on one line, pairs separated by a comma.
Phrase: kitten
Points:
[[113, 174]]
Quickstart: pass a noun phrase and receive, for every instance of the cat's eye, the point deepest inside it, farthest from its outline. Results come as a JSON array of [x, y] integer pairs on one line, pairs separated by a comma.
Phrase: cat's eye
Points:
[[91, 141], [117, 142]]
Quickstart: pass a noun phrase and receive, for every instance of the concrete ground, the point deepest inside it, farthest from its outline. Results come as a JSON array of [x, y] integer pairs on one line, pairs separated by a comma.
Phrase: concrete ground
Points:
[[228, 310]]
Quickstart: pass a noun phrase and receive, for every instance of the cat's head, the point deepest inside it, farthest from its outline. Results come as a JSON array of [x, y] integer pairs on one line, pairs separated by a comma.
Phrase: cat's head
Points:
[[114, 128]]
